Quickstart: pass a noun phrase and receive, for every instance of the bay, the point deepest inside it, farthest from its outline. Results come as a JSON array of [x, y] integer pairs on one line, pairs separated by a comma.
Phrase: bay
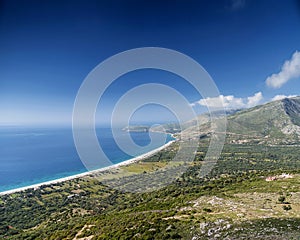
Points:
[[34, 155]]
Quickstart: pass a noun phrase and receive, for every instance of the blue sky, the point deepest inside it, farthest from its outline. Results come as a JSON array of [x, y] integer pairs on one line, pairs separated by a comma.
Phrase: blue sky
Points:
[[48, 47]]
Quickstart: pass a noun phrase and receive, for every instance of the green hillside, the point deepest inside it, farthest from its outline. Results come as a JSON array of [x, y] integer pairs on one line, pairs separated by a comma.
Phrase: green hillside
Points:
[[247, 195], [273, 123]]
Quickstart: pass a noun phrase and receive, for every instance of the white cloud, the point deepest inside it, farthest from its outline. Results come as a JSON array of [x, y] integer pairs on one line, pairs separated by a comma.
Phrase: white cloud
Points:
[[230, 102], [254, 100], [280, 97], [289, 70], [227, 101]]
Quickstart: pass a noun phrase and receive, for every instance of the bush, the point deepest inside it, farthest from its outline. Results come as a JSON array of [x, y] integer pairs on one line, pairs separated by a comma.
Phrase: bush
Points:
[[281, 199], [287, 208], [207, 210]]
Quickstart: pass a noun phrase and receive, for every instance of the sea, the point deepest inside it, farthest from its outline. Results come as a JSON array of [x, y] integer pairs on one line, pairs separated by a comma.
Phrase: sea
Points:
[[35, 155]]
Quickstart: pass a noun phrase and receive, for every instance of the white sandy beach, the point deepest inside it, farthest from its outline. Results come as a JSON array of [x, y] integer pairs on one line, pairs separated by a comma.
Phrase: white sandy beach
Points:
[[129, 161]]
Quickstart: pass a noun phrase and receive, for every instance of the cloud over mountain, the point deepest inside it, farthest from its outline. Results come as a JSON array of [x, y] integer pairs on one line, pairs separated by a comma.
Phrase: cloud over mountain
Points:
[[280, 97], [289, 70], [230, 102]]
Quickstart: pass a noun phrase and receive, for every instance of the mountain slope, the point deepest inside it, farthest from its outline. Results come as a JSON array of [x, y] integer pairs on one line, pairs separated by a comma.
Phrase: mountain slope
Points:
[[276, 122], [292, 109]]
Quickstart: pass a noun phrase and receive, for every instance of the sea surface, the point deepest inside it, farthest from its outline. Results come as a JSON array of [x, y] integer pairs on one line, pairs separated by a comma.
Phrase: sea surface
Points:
[[35, 155]]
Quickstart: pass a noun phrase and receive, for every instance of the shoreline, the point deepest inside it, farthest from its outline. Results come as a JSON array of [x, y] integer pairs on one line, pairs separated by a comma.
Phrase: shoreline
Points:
[[79, 175]]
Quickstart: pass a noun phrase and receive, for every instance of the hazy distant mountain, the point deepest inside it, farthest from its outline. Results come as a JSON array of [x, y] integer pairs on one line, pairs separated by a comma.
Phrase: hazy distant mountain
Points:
[[202, 120]]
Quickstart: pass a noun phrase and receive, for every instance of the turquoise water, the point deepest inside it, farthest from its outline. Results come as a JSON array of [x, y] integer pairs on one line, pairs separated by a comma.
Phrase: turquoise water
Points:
[[35, 155]]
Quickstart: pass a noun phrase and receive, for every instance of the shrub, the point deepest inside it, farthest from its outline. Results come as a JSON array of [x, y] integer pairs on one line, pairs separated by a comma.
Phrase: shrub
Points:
[[281, 199], [207, 210], [287, 208]]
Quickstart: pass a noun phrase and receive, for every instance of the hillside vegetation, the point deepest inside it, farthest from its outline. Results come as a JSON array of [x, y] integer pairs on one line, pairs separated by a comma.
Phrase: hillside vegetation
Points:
[[246, 196]]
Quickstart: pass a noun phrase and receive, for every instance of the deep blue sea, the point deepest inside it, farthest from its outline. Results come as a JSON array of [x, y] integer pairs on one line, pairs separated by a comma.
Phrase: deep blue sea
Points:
[[35, 155]]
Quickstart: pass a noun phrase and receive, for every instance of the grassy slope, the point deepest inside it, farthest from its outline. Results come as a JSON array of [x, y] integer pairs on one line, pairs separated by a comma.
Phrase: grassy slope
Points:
[[234, 202]]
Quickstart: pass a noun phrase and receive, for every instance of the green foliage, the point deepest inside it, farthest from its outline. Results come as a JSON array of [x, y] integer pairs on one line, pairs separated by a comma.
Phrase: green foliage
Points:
[[50, 213], [287, 207], [207, 210], [281, 199]]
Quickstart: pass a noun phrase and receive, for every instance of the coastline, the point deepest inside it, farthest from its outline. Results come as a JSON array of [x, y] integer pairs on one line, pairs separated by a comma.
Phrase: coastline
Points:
[[59, 180]]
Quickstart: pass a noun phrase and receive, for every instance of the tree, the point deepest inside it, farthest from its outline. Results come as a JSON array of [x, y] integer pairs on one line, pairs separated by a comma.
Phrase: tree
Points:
[[281, 199], [287, 208]]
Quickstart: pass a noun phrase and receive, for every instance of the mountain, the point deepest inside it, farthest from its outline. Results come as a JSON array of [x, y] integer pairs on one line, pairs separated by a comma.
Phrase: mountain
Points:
[[292, 108], [202, 120], [276, 122]]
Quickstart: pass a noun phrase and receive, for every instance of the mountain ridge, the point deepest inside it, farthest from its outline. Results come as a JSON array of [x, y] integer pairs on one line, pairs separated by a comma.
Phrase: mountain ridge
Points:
[[276, 122]]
